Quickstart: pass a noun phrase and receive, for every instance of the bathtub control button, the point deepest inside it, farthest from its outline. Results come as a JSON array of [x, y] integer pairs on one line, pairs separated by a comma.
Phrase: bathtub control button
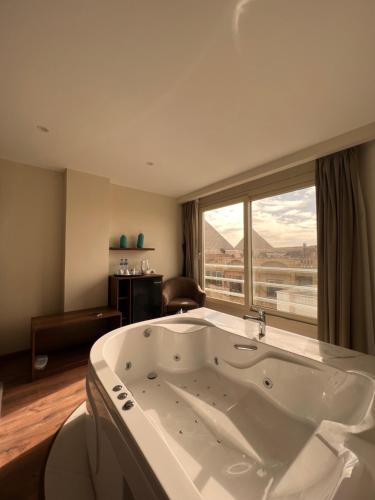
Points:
[[117, 388], [122, 395], [128, 405]]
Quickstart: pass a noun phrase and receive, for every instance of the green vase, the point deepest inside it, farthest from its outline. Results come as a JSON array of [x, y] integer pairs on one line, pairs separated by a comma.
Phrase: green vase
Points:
[[140, 240], [123, 241]]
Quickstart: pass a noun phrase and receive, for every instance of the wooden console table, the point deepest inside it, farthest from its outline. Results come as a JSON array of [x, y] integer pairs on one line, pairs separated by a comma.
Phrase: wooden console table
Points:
[[67, 338]]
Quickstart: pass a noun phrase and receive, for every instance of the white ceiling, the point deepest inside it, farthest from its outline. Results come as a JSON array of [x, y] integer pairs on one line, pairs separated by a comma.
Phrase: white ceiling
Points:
[[205, 89]]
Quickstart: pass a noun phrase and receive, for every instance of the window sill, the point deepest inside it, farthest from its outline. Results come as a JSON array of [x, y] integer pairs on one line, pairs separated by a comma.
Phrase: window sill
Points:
[[302, 326]]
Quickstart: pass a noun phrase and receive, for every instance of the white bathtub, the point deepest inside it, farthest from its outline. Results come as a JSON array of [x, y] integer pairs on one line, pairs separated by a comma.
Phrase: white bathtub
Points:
[[209, 419]]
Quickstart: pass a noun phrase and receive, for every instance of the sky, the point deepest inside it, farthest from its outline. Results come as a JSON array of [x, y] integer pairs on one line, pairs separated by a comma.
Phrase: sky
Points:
[[283, 220]]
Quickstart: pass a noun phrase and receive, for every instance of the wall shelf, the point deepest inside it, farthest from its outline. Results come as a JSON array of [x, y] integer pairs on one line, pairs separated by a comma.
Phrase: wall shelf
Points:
[[146, 249]]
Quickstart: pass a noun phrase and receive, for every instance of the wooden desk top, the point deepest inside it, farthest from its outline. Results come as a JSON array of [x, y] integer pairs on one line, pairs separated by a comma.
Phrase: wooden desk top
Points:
[[41, 322]]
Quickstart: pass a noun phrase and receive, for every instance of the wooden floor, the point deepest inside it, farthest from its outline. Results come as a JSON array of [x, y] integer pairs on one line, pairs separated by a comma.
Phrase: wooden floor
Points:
[[32, 414]]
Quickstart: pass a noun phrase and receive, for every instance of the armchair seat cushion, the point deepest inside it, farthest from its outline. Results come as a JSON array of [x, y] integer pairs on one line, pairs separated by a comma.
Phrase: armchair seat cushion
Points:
[[182, 302]]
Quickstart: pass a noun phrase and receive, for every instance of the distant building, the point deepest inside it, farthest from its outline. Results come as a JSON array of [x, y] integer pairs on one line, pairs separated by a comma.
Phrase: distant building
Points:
[[284, 278]]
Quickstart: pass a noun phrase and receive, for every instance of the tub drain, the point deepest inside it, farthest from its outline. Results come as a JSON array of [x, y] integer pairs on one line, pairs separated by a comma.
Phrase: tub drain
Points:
[[152, 375]]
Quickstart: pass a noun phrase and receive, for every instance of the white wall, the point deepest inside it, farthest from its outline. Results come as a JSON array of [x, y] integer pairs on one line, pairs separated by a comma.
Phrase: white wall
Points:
[[86, 241], [31, 249], [157, 217], [367, 176]]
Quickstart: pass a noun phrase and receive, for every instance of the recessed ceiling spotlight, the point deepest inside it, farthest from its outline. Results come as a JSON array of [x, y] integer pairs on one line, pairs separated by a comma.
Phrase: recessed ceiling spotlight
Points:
[[41, 128], [150, 164]]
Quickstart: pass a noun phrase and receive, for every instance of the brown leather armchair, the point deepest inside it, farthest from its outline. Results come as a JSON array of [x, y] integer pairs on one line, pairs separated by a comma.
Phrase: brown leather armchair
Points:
[[181, 293]]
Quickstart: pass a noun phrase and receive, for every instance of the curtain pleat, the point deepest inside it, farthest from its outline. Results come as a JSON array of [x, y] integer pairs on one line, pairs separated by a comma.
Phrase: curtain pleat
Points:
[[190, 239], [345, 314]]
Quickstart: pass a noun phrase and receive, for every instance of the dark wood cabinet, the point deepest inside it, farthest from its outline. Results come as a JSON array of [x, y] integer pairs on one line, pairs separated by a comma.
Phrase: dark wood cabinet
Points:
[[138, 298], [67, 338]]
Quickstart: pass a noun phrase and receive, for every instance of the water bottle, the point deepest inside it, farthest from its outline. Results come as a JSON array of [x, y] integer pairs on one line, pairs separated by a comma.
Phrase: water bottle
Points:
[[143, 266], [126, 267], [121, 269]]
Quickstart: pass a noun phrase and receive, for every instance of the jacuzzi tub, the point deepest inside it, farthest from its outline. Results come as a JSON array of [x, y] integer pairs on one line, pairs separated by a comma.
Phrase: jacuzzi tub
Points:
[[183, 408]]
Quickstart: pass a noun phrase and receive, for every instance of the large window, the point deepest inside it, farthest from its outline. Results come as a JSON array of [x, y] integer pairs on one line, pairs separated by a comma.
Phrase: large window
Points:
[[223, 250], [281, 265]]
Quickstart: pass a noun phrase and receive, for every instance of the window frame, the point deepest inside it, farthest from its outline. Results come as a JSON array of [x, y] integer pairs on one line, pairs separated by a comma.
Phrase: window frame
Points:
[[277, 184]]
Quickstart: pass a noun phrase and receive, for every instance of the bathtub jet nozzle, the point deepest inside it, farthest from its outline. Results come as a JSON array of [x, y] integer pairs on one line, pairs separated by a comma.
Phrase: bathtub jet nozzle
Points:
[[128, 405]]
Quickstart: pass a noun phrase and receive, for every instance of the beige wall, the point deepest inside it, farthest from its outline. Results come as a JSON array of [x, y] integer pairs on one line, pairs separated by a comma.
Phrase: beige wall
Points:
[[86, 240], [31, 249], [158, 217], [367, 175], [32, 223], [33, 280], [55, 230]]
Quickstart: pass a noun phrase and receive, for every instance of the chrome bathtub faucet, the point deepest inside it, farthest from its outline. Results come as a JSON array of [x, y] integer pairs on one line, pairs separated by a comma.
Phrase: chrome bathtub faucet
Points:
[[261, 320]]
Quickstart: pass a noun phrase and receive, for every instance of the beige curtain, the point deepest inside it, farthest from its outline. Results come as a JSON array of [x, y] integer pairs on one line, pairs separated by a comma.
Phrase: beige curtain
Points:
[[190, 239], [344, 298]]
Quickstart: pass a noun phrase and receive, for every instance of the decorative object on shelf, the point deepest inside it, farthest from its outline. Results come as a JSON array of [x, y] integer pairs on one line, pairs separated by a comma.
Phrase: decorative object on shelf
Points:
[[140, 240], [145, 266], [123, 241]]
